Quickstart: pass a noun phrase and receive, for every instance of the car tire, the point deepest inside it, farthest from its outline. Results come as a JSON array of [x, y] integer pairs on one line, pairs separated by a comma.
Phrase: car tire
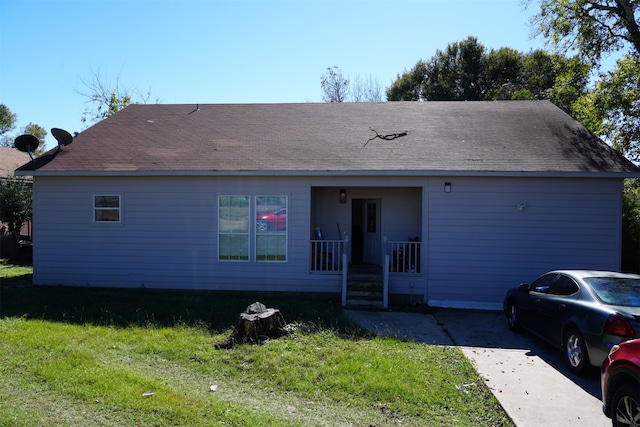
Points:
[[262, 225], [625, 405], [575, 351], [513, 317]]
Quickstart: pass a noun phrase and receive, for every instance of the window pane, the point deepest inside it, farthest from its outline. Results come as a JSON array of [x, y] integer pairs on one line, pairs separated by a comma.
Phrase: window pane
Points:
[[271, 247], [271, 214], [271, 228], [107, 215], [234, 247], [107, 201], [233, 228], [234, 214]]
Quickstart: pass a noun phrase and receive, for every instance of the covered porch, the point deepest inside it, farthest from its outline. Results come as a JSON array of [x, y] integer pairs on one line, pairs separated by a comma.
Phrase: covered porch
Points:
[[375, 229]]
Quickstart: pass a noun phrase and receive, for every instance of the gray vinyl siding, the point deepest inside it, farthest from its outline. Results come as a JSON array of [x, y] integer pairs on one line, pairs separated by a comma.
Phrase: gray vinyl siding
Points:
[[476, 244], [480, 244], [167, 238]]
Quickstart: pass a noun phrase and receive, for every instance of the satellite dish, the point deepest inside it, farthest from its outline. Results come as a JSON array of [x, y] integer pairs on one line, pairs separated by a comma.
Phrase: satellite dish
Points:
[[62, 136], [27, 143]]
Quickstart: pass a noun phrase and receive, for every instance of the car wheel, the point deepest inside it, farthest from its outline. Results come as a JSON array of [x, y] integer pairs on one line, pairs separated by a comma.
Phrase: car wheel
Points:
[[626, 405], [513, 317], [262, 225], [575, 351]]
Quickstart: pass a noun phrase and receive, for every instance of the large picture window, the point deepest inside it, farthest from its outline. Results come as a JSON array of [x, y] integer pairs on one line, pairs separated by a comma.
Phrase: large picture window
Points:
[[271, 228], [233, 228], [106, 208]]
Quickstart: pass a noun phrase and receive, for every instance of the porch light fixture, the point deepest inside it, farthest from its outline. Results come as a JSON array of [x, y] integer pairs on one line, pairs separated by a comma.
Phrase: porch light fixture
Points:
[[343, 196], [447, 187]]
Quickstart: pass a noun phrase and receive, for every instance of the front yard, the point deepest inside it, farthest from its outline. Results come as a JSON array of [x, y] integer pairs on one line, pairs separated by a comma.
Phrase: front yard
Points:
[[100, 357]]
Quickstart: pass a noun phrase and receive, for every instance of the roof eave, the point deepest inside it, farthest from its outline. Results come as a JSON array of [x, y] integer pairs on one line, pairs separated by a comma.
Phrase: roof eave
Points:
[[346, 173]]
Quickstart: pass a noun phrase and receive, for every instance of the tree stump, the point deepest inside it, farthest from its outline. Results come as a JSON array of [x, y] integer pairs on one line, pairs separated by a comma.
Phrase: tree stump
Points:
[[256, 324]]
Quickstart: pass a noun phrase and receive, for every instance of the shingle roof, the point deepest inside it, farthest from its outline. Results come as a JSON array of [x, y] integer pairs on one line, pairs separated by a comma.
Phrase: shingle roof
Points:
[[460, 137], [10, 160]]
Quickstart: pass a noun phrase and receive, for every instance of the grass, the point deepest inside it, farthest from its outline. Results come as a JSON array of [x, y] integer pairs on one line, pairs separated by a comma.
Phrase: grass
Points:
[[110, 357]]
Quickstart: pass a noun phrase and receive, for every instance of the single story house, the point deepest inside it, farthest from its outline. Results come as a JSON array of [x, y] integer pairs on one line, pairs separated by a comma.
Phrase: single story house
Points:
[[455, 201]]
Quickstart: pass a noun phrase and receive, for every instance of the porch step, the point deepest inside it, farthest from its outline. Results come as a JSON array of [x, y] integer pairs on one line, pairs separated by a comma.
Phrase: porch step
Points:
[[365, 293]]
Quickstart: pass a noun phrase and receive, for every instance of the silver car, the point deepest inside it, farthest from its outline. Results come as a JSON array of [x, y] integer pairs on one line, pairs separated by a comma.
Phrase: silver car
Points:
[[582, 312]]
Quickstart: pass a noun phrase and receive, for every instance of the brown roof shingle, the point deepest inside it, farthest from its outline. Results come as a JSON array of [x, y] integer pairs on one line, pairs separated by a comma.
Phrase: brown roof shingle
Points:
[[461, 137], [10, 160]]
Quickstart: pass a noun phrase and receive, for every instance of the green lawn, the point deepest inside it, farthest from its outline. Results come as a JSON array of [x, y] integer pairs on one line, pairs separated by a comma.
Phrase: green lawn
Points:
[[100, 357]]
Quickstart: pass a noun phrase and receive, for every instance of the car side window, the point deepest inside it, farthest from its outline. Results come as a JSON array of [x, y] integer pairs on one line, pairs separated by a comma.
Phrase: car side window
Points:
[[564, 286], [543, 284]]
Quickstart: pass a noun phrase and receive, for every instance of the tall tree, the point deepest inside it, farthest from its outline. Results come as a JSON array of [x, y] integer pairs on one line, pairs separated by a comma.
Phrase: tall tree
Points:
[[39, 132], [455, 73], [335, 87], [408, 86], [595, 28], [7, 119], [612, 109], [465, 71], [15, 206], [7, 124]]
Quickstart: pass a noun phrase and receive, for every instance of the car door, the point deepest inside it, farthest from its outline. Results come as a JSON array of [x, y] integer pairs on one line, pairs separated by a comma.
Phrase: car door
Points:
[[530, 304], [553, 307]]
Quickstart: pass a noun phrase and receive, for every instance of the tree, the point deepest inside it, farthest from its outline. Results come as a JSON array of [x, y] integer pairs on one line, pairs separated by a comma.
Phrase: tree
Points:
[[455, 73], [366, 90], [7, 119], [15, 206], [107, 98], [465, 71], [612, 109], [408, 86], [7, 124], [335, 87], [37, 131], [595, 28]]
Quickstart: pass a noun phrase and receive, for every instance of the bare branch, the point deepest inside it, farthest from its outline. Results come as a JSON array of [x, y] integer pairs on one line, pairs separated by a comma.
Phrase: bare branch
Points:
[[387, 137]]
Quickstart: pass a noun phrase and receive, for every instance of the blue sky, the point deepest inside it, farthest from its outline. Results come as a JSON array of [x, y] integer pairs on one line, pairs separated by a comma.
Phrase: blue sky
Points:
[[226, 51]]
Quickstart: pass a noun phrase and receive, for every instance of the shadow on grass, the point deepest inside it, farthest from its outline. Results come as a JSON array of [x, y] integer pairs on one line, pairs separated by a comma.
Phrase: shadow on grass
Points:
[[217, 311]]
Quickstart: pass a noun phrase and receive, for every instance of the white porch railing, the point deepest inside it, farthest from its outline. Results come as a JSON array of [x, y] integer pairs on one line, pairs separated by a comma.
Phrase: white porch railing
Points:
[[404, 256], [326, 255]]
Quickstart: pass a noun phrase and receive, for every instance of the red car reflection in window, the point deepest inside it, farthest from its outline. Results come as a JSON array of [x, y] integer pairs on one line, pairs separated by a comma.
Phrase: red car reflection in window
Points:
[[272, 221]]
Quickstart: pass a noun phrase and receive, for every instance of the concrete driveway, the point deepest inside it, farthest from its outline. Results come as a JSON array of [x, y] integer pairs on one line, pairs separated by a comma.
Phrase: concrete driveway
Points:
[[528, 377]]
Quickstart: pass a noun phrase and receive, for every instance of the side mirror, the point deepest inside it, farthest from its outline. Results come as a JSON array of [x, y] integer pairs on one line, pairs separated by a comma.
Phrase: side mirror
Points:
[[523, 287]]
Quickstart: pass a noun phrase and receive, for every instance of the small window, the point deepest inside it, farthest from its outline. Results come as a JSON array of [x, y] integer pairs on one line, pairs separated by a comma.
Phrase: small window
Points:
[[106, 208]]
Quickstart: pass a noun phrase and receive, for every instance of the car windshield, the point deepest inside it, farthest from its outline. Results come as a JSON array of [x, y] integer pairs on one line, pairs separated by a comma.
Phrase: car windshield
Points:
[[616, 290]]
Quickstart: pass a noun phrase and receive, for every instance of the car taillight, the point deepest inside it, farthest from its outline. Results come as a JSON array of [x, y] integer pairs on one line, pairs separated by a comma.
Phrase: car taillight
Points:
[[618, 325]]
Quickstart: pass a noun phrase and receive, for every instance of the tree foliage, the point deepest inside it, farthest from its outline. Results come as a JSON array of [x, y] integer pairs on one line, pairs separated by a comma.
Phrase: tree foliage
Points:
[[8, 123], [106, 98], [612, 109], [39, 132], [15, 205], [7, 119], [466, 71], [631, 226], [595, 28]]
